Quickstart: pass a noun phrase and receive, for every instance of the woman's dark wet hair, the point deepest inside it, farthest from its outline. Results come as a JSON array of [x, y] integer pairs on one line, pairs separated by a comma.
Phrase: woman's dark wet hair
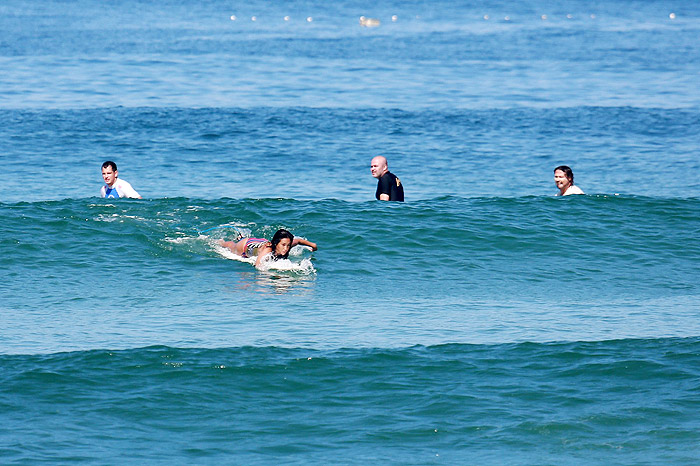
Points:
[[567, 171], [279, 236]]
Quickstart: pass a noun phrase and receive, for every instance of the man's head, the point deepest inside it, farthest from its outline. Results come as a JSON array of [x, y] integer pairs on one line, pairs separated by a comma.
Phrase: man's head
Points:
[[567, 172], [379, 166], [563, 177], [109, 172]]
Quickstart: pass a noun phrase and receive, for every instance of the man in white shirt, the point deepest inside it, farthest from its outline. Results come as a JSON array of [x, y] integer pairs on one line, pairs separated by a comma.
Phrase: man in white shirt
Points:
[[564, 179], [114, 187]]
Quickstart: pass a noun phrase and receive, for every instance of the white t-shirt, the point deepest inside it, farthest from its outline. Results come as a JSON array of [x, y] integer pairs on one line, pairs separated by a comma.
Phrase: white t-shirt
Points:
[[120, 188]]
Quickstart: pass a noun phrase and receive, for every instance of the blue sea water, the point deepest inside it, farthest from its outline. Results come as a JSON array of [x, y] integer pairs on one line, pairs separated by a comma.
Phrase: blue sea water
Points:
[[483, 321]]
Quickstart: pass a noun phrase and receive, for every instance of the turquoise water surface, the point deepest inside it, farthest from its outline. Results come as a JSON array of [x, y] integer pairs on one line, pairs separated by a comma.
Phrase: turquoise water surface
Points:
[[482, 321]]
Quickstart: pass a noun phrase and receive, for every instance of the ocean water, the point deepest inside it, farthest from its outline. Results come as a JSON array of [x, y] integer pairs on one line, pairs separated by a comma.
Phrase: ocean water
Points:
[[482, 321]]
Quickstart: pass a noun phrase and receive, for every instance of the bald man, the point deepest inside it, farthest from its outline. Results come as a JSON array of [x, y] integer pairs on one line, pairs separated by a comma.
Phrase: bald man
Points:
[[389, 187]]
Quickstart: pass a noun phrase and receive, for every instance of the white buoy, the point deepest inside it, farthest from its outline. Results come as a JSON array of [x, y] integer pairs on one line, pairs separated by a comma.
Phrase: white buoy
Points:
[[507, 18], [253, 18], [369, 22], [394, 18], [286, 18], [233, 17], [486, 17], [544, 17], [672, 16], [309, 19], [569, 16]]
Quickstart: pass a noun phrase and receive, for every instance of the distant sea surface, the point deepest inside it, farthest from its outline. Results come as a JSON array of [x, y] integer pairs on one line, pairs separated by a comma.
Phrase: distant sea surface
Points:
[[483, 321]]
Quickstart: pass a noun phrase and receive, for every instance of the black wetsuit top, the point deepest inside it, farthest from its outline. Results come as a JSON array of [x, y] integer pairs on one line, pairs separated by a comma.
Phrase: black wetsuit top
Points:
[[391, 185]]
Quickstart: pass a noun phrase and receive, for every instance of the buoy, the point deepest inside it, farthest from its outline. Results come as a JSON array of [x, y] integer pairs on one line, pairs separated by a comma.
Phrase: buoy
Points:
[[369, 22]]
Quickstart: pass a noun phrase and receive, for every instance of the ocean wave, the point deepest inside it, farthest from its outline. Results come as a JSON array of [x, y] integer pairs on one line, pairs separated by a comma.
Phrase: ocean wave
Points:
[[450, 271], [580, 400]]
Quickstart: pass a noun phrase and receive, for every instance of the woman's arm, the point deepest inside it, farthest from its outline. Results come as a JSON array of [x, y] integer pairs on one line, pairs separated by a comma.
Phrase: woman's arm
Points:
[[304, 242], [263, 251]]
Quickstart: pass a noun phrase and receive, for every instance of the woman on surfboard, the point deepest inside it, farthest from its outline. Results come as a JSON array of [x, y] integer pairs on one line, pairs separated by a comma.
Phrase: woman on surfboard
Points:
[[278, 247]]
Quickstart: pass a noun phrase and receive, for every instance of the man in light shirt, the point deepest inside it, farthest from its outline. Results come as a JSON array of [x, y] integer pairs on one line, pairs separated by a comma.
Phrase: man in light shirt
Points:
[[564, 179], [114, 187]]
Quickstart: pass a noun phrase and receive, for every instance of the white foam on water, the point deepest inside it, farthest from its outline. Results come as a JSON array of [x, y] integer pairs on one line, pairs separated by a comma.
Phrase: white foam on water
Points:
[[303, 267], [181, 240], [118, 218]]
